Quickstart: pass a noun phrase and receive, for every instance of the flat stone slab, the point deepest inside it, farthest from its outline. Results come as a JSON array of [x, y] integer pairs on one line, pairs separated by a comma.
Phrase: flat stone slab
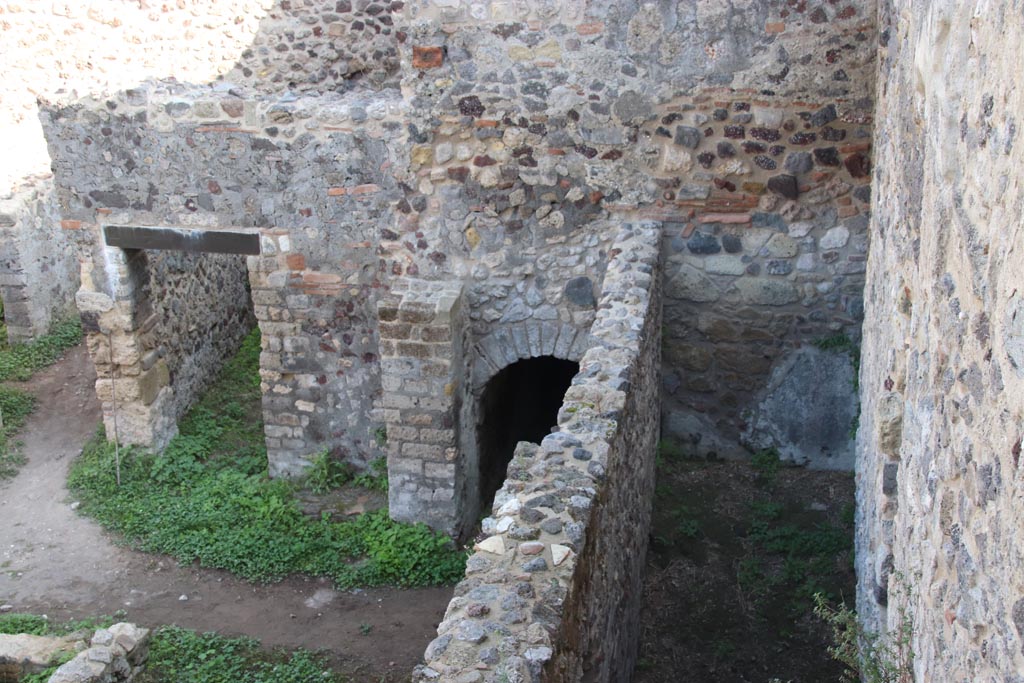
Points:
[[182, 239], [31, 654]]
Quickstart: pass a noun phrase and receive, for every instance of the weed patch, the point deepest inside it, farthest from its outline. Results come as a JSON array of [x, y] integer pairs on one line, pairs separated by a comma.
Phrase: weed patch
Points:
[[867, 656], [15, 407], [792, 555], [766, 463], [207, 498], [177, 654], [19, 361], [741, 551], [36, 625], [375, 477], [327, 474]]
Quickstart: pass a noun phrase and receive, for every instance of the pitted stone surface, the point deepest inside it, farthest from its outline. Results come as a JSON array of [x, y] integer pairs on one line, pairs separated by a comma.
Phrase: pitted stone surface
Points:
[[117, 654], [939, 510]]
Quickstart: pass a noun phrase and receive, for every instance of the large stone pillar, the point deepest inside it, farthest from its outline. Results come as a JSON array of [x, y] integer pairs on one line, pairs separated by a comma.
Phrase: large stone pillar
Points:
[[132, 381], [424, 372]]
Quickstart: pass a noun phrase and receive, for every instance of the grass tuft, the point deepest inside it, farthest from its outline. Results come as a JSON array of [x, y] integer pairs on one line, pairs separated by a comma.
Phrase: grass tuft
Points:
[[177, 654]]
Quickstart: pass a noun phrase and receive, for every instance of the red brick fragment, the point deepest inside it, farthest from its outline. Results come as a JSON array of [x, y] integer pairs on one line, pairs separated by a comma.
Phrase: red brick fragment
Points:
[[427, 57], [733, 218], [295, 262], [590, 28], [71, 225]]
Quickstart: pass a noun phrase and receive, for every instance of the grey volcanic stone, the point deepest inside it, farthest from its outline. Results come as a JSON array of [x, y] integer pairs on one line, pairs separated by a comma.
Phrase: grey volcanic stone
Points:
[[580, 291], [688, 136], [807, 409]]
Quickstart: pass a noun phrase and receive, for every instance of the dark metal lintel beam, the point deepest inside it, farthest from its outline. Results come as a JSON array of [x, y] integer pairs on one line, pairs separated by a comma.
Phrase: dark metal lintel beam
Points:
[[182, 239]]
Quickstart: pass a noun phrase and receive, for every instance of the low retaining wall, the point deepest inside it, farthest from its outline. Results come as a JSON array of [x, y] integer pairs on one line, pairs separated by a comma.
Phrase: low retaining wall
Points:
[[552, 593]]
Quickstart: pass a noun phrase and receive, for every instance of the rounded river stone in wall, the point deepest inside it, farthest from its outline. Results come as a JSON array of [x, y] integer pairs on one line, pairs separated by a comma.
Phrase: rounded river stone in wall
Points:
[[580, 292]]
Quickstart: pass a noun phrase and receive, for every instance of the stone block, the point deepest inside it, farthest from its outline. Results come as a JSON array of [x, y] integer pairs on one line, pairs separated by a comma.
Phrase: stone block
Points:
[[807, 409], [764, 292]]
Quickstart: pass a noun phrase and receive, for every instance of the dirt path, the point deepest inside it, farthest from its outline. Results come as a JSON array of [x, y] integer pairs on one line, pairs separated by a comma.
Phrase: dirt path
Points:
[[54, 562]]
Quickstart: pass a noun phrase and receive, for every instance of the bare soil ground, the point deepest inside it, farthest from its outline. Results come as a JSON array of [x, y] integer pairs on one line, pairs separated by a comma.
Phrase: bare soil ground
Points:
[[54, 562], [734, 560]]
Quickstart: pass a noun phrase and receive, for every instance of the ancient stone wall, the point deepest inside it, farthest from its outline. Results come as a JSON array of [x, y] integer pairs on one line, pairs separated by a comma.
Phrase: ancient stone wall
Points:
[[38, 265], [66, 50], [939, 474], [744, 129], [63, 50], [201, 310], [173, 155], [521, 132], [158, 327], [552, 592]]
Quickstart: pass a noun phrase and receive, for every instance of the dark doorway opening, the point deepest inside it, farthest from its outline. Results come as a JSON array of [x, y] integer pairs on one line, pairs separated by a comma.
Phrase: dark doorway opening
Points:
[[520, 403]]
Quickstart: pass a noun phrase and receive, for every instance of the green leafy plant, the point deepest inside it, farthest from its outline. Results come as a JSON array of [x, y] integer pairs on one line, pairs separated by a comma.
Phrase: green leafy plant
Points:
[[208, 499], [15, 407], [374, 477], [19, 361], [327, 474], [178, 654], [766, 463], [868, 657], [380, 436], [32, 624], [804, 555]]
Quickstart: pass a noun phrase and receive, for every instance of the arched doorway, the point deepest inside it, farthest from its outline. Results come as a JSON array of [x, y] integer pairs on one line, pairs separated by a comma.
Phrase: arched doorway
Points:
[[520, 403]]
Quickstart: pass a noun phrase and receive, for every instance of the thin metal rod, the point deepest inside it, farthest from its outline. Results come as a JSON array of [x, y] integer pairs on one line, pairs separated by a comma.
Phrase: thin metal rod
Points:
[[113, 401]]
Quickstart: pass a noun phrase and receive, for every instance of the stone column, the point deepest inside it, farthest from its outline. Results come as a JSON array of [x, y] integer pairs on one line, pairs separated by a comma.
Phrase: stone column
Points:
[[132, 381], [422, 331]]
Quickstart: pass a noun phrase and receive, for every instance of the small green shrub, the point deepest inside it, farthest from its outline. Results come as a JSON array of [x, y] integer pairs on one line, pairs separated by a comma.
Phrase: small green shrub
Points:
[[375, 477], [766, 463], [867, 656], [380, 436], [327, 474]]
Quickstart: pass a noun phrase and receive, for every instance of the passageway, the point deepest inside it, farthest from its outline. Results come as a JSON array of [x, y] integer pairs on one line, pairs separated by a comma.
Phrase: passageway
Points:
[[520, 403]]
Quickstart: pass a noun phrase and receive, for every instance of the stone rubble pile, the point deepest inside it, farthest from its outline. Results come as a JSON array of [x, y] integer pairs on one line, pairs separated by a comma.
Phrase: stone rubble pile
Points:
[[112, 655]]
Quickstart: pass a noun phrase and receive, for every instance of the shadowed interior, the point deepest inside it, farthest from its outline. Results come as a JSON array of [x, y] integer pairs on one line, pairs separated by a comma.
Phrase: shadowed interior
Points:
[[520, 403]]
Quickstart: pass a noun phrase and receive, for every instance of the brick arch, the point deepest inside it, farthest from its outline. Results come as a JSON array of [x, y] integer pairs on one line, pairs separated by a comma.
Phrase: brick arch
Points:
[[511, 343]]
